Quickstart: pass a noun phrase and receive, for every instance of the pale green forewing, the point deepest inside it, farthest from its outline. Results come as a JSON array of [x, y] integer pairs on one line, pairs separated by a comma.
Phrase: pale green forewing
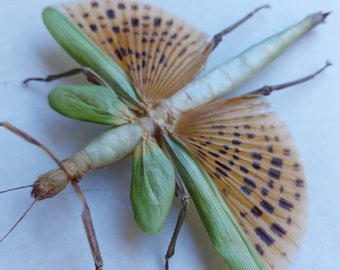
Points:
[[223, 229], [91, 103], [153, 186], [88, 54]]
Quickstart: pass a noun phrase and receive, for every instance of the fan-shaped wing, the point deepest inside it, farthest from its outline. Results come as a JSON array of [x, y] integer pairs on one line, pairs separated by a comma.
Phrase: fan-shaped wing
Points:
[[250, 156], [160, 52]]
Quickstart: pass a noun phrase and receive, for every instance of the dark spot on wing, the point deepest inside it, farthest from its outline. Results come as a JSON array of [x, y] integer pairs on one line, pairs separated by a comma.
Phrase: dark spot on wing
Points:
[[110, 13], [264, 192], [246, 190], [134, 22], [244, 169], [264, 236], [257, 212], [277, 162], [267, 206], [94, 4], [93, 27], [250, 182], [259, 249], [121, 6], [256, 165], [278, 230], [157, 22], [274, 173], [285, 204], [299, 182], [256, 155]]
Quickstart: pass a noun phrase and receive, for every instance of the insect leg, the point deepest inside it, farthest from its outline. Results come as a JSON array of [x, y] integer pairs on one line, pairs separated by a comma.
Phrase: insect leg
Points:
[[52, 182], [91, 76], [30, 139], [218, 37], [268, 89], [89, 229], [182, 193]]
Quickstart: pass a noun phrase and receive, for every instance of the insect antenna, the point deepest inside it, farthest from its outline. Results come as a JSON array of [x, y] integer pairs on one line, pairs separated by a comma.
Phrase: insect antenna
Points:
[[20, 219], [16, 188]]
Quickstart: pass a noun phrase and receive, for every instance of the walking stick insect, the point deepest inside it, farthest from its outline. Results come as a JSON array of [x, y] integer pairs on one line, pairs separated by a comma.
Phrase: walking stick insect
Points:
[[258, 202]]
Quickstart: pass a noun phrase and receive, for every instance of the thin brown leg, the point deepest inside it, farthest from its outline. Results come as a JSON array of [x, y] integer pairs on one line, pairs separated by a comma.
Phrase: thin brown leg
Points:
[[91, 76], [182, 193], [267, 90], [218, 37], [89, 229], [85, 215], [30, 139]]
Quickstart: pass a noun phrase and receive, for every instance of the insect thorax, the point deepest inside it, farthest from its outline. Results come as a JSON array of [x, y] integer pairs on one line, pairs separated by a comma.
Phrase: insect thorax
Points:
[[158, 118]]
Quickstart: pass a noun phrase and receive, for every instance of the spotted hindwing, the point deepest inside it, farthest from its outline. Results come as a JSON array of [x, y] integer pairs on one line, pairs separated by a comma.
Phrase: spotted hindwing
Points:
[[249, 155], [160, 52]]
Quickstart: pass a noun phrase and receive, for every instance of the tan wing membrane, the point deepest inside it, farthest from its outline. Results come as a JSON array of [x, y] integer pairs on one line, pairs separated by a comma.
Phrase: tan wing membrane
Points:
[[160, 52], [250, 156]]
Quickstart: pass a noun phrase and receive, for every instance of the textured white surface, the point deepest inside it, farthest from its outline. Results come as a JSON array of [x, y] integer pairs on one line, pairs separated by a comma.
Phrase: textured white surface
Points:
[[52, 237]]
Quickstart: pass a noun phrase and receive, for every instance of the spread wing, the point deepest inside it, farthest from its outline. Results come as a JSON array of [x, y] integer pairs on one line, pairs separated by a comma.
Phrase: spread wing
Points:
[[250, 156], [160, 52]]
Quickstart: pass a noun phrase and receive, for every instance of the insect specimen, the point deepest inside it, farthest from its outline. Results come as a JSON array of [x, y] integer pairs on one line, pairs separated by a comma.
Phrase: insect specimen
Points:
[[233, 156]]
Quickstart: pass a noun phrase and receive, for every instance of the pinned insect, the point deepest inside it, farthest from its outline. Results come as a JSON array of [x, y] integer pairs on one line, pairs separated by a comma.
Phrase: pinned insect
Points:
[[234, 157]]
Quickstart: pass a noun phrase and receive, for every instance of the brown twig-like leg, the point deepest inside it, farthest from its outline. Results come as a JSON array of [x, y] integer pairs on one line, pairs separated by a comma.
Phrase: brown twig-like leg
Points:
[[267, 90], [182, 193], [91, 76], [218, 37], [89, 229], [30, 139], [85, 215]]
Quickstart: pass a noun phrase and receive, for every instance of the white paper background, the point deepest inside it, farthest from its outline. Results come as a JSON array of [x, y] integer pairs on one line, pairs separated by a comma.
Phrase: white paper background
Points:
[[52, 237]]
